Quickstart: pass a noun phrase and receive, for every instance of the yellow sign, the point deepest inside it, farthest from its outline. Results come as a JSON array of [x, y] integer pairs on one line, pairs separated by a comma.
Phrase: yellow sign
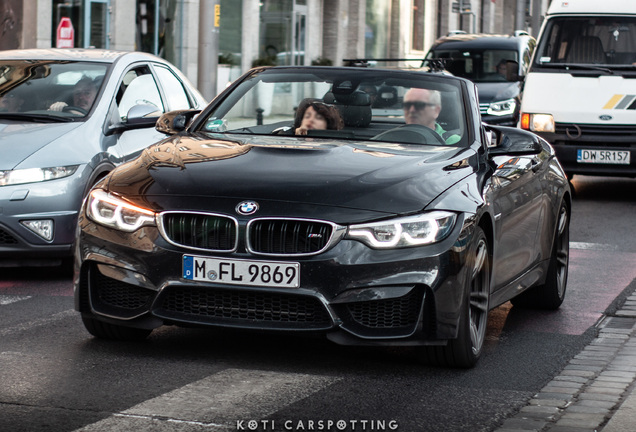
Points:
[[217, 15]]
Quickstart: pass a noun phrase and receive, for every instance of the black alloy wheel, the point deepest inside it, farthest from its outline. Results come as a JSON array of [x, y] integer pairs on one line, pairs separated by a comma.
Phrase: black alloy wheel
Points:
[[551, 294], [465, 350]]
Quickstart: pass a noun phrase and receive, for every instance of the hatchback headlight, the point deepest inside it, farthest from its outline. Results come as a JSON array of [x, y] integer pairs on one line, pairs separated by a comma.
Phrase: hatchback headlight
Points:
[[34, 175], [408, 231], [114, 212], [502, 108]]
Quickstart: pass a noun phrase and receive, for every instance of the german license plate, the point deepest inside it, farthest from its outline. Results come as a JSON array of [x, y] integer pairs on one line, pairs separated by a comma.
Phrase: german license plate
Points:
[[242, 272], [617, 157]]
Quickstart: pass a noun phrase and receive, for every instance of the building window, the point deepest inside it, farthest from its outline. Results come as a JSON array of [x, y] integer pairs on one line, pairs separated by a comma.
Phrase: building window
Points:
[[417, 43], [231, 32], [376, 33], [96, 34], [73, 11]]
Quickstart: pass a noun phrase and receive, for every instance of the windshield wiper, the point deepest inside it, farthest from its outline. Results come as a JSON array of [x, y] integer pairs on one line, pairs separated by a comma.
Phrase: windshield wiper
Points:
[[47, 118]]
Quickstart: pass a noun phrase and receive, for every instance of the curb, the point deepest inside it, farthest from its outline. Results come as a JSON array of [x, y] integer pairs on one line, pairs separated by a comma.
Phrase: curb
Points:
[[594, 391]]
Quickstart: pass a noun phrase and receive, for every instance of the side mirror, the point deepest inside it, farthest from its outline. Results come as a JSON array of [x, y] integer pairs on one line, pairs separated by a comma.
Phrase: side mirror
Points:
[[144, 114], [173, 122], [510, 141], [138, 116]]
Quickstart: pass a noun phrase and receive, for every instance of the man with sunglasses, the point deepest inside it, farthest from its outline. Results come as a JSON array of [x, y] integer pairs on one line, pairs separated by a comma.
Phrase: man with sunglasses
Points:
[[422, 106]]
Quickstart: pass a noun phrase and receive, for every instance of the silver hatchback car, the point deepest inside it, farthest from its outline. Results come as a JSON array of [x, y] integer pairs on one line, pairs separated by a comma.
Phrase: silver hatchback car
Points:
[[67, 118]]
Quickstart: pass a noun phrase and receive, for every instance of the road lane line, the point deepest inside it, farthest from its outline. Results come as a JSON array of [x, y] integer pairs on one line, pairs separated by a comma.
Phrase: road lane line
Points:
[[39, 322], [8, 299], [593, 246], [219, 401]]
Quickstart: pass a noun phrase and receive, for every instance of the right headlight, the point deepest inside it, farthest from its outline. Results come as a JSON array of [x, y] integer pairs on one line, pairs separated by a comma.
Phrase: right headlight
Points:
[[114, 212], [537, 122], [423, 229], [501, 108], [35, 175]]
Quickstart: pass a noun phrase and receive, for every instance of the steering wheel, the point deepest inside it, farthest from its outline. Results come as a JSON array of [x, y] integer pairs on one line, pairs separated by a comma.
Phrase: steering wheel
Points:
[[74, 109], [411, 134]]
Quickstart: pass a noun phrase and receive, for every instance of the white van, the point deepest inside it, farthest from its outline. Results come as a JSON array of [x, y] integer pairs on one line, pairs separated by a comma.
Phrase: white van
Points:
[[580, 92]]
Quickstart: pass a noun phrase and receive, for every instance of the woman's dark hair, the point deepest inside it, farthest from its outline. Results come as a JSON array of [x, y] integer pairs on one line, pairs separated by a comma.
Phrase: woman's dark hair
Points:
[[329, 112]]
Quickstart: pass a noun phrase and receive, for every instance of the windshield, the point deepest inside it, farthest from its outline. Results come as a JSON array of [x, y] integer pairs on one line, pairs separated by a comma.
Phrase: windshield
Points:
[[477, 65], [344, 103], [49, 88], [607, 41]]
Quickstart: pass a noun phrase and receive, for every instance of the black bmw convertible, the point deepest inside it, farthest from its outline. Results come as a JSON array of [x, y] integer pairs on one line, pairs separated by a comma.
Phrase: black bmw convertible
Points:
[[380, 231]]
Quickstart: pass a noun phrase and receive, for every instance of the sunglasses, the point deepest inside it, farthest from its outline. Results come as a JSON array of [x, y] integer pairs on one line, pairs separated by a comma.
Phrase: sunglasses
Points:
[[417, 105]]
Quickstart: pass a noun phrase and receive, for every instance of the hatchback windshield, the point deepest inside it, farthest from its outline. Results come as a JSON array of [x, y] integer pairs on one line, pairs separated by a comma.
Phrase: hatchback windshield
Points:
[[346, 103], [53, 88]]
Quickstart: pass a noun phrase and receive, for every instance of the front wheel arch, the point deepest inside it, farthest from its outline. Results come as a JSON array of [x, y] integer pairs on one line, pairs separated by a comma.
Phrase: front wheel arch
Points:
[[465, 350]]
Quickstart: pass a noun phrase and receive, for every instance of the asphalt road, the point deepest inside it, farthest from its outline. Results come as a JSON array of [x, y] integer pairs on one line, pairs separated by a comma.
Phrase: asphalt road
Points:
[[55, 377]]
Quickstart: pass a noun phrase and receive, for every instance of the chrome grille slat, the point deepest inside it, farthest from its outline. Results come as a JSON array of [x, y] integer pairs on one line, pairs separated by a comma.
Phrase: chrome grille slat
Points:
[[264, 236], [288, 236], [597, 130], [202, 231]]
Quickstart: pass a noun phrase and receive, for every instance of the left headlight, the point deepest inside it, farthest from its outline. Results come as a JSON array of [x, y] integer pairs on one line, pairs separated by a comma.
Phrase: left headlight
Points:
[[34, 175], [501, 108], [408, 231], [114, 212]]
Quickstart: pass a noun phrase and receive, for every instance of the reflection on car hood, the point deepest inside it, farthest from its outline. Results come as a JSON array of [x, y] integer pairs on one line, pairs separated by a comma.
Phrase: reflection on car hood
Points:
[[492, 92], [19, 140], [208, 174]]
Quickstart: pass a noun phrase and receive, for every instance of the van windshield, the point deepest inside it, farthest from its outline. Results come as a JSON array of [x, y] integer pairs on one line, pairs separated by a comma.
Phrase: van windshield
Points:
[[477, 65], [607, 41]]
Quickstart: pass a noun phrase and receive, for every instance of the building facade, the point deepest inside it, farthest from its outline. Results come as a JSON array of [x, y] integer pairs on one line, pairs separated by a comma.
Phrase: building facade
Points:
[[252, 32]]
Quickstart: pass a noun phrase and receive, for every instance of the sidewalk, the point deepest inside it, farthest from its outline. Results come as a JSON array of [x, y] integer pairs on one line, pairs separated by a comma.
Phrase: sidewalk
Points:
[[595, 391]]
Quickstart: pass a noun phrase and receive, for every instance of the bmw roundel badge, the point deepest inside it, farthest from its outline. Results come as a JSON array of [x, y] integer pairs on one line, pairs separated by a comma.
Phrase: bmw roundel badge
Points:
[[247, 207]]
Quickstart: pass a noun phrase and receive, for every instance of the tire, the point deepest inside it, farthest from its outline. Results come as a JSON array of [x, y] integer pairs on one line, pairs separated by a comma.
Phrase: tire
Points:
[[105, 330], [551, 294], [465, 350]]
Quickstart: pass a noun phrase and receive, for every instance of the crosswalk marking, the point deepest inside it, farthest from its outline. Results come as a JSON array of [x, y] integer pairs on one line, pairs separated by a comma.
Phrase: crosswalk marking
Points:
[[593, 246], [38, 322], [218, 402], [8, 299]]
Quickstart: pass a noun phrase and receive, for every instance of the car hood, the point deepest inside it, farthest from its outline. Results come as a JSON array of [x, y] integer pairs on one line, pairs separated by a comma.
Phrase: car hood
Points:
[[494, 92], [19, 140], [290, 176]]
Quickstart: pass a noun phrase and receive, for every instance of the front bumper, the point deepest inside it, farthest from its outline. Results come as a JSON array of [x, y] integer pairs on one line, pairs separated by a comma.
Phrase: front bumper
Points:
[[569, 139], [57, 201], [351, 293]]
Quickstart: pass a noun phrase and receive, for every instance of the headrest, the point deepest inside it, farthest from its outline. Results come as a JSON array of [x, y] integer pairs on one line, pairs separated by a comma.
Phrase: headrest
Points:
[[355, 107], [387, 96], [356, 98]]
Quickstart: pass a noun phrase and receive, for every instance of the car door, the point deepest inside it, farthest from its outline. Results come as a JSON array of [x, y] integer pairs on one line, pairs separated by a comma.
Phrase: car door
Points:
[[516, 192], [137, 86]]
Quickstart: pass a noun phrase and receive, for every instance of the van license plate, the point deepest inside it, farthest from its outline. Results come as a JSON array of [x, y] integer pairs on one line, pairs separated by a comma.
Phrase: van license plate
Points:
[[617, 157], [242, 272]]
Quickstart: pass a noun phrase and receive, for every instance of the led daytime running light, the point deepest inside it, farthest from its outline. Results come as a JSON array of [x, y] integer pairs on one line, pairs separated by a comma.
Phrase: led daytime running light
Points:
[[114, 212]]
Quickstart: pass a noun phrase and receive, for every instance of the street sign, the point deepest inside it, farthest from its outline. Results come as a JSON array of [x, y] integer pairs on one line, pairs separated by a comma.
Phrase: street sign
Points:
[[65, 34]]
